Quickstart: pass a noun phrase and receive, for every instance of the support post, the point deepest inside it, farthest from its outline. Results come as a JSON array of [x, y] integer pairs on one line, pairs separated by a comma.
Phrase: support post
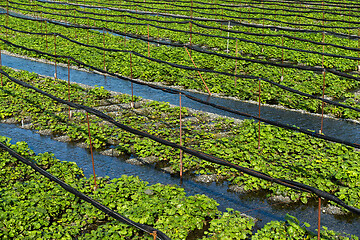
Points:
[[190, 23], [236, 54], [181, 152], [227, 44], [282, 58], [104, 47], [88, 31], [148, 35], [359, 48], [319, 219], [1, 68], [198, 72], [46, 40], [91, 151], [69, 87], [132, 87], [55, 74], [259, 111], [323, 92], [125, 33]]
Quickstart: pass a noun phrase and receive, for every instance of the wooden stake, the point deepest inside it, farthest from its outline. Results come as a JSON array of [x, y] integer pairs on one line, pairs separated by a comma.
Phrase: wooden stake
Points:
[[91, 152], [190, 23], [132, 88], [198, 72], [319, 219], [359, 48], [148, 35], [282, 58], [259, 111], [88, 31], [69, 86], [46, 40], [55, 75], [125, 33], [1, 68], [227, 45], [323, 93], [181, 153], [236, 54], [190, 30], [104, 47]]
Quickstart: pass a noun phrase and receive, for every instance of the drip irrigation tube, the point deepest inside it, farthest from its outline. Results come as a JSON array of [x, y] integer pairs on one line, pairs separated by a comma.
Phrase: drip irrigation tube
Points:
[[307, 68], [244, 4], [198, 33], [104, 209], [287, 183], [189, 68], [225, 21], [174, 91]]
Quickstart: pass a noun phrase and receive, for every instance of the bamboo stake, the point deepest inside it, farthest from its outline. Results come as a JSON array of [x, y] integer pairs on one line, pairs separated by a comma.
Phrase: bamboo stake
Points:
[[282, 58], [91, 151], [181, 153], [227, 45], [69, 86], [132, 89], [148, 35], [125, 33], [198, 72], [1, 68], [46, 40], [55, 74], [259, 111], [323, 92], [319, 219], [104, 47], [359, 48], [88, 31], [236, 54]]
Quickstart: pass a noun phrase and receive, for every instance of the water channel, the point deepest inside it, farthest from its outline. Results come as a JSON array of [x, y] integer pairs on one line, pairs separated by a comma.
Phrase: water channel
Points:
[[255, 205]]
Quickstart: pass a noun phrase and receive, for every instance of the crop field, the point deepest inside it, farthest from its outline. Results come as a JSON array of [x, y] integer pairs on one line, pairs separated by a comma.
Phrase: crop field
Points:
[[300, 56]]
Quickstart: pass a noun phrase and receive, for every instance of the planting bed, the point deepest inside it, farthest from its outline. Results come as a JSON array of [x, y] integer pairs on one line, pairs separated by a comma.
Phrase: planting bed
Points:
[[311, 82], [310, 63], [220, 132]]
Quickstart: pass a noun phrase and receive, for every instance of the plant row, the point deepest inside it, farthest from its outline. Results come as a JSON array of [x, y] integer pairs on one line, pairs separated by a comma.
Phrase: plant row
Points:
[[223, 44], [245, 11], [283, 154], [309, 82], [32, 206]]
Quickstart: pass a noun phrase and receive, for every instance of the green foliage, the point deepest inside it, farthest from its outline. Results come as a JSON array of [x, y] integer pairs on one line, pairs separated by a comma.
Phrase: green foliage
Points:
[[230, 225]]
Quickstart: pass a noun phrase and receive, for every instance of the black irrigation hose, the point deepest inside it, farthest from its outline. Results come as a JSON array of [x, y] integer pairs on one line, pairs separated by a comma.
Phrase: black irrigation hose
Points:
[[245, 24], [314, 3], [201, 34], [232, 5], [261, 13], [254, 2], [236, 17], [104, 209], [201, 155], [209, 27], [228, 16], [174, 91], [231, 10], [203, 26], [319, 10], [192, 69], [307, 68]]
